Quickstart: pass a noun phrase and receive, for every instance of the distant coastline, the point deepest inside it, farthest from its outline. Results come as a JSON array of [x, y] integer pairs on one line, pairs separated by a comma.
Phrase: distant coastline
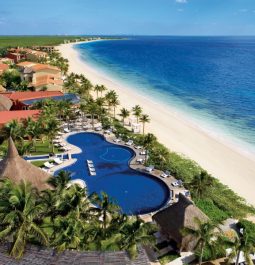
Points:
[[221, 159]]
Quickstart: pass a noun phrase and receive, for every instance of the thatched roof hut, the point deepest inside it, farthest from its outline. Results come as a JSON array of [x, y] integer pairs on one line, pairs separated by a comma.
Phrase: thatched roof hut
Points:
[[5, 103], [177, 216], [17, 169]]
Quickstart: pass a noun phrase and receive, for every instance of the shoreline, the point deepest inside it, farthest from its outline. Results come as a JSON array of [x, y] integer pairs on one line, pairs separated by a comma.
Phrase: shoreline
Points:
[[230, 166]]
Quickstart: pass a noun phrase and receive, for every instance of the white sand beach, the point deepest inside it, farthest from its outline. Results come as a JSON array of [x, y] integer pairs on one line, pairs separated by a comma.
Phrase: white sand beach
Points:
[[231, 166]]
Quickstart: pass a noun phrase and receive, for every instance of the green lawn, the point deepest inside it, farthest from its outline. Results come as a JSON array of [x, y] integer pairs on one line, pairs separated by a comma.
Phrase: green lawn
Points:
[[43, 148], [38, 163], [27, 41]]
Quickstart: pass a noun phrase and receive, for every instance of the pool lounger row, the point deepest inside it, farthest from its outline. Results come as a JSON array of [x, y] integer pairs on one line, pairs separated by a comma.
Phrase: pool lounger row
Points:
[[91, 167]]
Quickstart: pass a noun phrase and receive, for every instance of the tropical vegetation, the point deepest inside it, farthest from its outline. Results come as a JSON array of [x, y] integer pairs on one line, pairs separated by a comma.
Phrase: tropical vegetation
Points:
[[66, 217]]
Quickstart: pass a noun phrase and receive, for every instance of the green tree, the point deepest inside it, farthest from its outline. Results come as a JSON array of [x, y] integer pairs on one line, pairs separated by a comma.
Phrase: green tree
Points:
[[201, 184], [19, 216], [137, 111], [124, 113], [106, 207], [205, 235], [144, 119], [136, 232]]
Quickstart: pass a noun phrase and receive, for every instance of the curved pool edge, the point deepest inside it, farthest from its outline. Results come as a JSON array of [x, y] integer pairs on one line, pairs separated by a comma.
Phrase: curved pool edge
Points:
[[132, 159]]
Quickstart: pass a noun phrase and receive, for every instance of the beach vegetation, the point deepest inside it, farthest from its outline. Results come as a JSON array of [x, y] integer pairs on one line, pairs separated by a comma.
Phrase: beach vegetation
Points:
[[205, 235], [144, 118], [137, 111], [124, 113], [64, 218]]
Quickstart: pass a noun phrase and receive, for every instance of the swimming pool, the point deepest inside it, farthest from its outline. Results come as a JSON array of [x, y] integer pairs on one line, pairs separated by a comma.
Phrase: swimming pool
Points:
[[135, 192]]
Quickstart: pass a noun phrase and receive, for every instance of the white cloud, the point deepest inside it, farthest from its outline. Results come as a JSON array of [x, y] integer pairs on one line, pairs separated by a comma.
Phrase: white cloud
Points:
[[180, 10], [181, 1]]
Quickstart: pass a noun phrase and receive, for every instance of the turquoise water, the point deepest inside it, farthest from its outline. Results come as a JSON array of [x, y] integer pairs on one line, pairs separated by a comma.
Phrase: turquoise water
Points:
[[209, 79], [135, 192]]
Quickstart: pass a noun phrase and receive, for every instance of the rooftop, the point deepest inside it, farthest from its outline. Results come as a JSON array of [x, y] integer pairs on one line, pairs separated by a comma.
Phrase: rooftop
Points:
[[30, 95], [38, 256], [17, 169], [7, 116], [3, 67], [37, 66]]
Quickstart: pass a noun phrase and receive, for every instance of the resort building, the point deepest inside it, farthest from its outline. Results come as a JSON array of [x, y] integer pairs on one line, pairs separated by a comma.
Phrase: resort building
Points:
[[17, 169], [35, 56], [3, 68], [49, 49], [41, 76], [19, 115], [16, 56], [22, 100], [6, 60], [177, 216], [5, 103]]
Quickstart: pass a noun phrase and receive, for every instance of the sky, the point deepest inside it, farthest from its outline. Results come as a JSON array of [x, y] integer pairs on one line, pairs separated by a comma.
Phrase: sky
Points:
[[127, 17]]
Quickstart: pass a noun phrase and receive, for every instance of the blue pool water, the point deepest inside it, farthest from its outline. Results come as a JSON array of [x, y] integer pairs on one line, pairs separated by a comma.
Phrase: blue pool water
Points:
[[208, 79], [135, 192]]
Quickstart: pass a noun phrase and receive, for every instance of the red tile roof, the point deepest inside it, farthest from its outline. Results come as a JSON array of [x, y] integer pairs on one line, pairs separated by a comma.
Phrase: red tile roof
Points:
[[3, 67], [27, 95], [7, 116], [37, 66]]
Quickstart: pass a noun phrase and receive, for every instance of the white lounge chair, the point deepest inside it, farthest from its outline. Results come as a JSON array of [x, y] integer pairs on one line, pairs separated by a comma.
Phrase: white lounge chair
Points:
[[138, 147], [164, 175], [58, 161], [175, 184], [116, 140], [66, 130], [149, 169], [130, 142], [48, 165], [140, 160], [143, 153]]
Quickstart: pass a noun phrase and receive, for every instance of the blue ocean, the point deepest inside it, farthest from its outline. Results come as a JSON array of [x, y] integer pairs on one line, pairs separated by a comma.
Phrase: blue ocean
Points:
[[209, 79]]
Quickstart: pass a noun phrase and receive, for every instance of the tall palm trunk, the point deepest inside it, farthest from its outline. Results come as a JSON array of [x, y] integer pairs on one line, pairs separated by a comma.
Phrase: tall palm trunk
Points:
[[143, 127], [238, 257], [202, 253]]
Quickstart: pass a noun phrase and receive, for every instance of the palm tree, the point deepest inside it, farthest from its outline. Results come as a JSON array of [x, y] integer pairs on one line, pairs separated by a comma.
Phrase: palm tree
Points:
[[13, 129], [97, 88], [107, 207], [112, 99], [60, 181], [19, 215], [124, 113], [136, 232], [137, 111], [52, 127], [102, 89], [201, 184], [144, 119], [148, 141], [243, 243], [204, 235]]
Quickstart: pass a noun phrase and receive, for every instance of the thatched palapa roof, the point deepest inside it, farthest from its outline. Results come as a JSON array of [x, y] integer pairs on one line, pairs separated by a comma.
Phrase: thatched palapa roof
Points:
[[5, 103], [177, 216], [35, 255], [17, 169]]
